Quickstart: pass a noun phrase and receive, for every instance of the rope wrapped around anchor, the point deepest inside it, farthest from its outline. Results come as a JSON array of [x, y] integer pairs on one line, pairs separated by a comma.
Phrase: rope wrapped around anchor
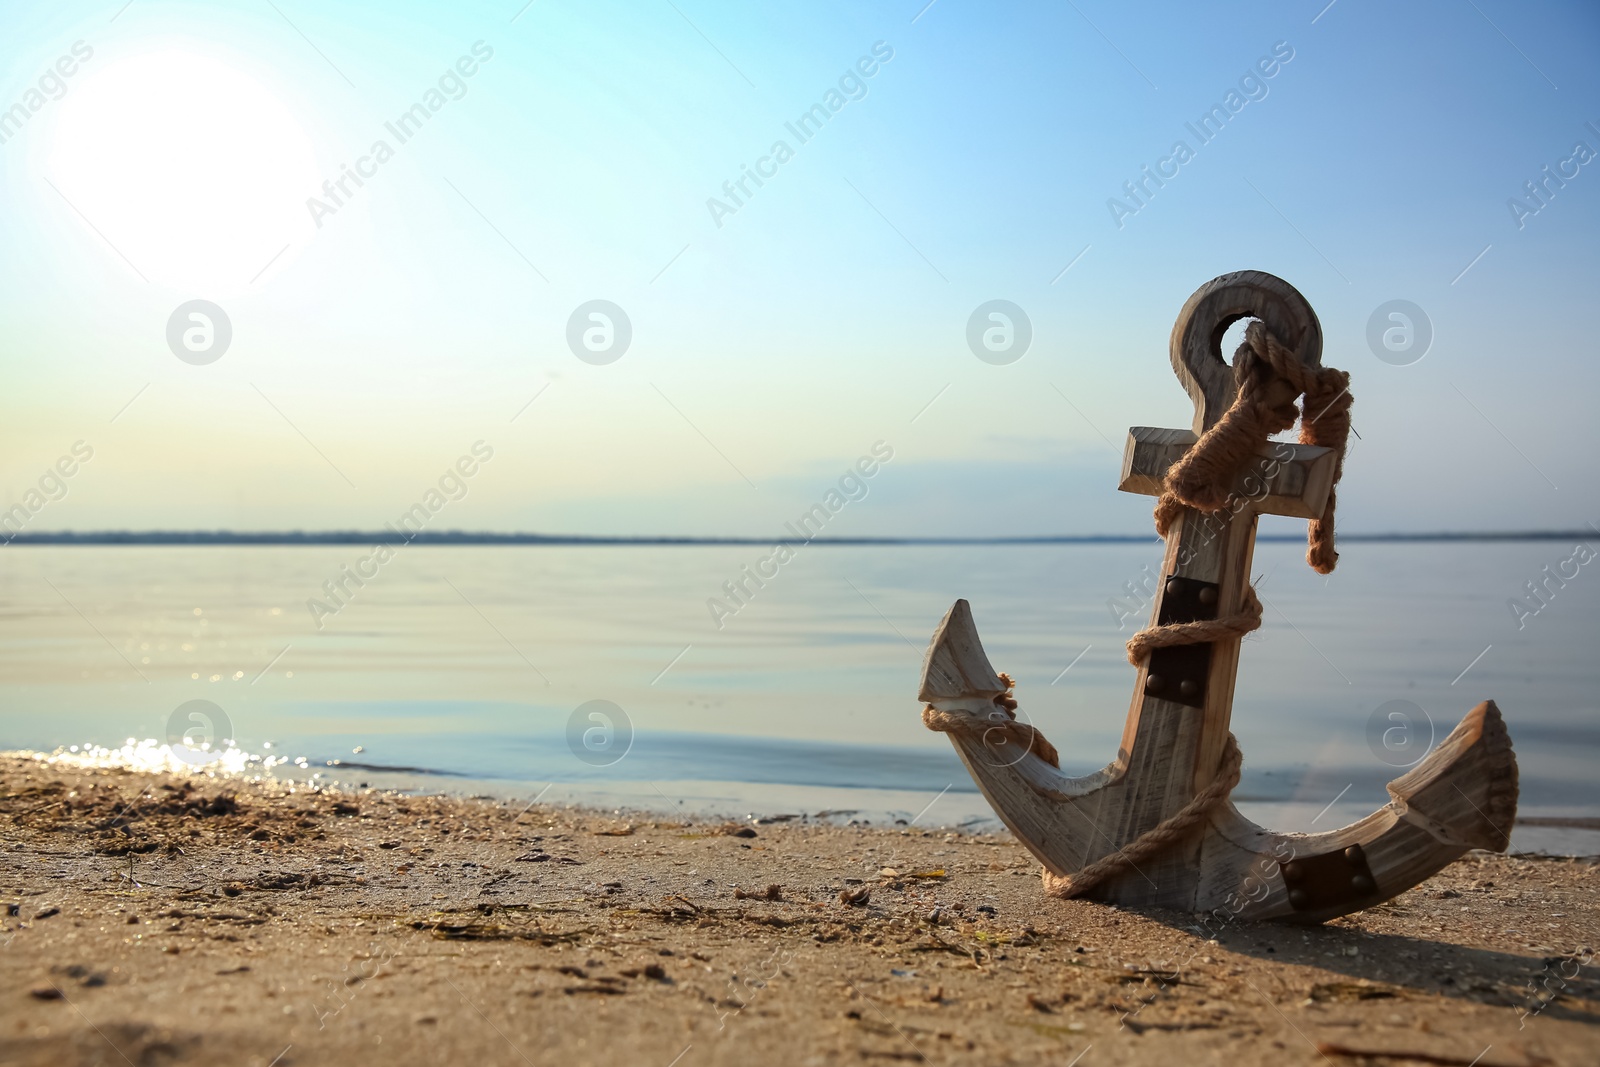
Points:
[[1002, 720], [1169, 831], [1177, 826], [1201, 481]]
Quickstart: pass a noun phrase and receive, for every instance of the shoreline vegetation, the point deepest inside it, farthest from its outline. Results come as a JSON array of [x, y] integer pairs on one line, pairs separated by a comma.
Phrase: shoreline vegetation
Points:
[[185, 919], [460, 537]]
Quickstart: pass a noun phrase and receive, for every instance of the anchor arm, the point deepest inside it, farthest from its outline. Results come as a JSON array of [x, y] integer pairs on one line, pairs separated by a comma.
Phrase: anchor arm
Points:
[[1462, 796]]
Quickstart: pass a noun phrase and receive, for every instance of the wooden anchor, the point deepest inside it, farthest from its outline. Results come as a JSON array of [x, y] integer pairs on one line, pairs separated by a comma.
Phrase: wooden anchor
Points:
[[1156, 827]]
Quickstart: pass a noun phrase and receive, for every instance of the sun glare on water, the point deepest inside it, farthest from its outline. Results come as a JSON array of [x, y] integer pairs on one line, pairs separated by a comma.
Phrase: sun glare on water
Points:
[[192, 170]]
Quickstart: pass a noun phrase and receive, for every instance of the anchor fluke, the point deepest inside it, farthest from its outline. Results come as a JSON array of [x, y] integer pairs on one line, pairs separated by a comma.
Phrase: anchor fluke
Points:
[[956, 665], [1465, 792], [964, 695]]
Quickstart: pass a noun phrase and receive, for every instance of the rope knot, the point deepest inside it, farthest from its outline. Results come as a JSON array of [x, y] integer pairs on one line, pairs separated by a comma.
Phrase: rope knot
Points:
[[1203, 478]]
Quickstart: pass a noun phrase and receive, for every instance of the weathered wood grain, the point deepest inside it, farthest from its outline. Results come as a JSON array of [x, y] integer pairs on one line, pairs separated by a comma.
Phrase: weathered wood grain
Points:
[[1463, 795], [1284, 479], [1196, 344]]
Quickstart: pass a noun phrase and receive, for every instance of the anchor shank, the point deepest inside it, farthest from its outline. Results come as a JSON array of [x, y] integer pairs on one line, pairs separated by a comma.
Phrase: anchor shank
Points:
[[1212, 549], [1177, 726], [1172, 742]]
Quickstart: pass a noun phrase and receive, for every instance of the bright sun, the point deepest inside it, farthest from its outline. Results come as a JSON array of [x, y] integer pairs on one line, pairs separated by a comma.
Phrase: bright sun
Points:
[[193, 171]]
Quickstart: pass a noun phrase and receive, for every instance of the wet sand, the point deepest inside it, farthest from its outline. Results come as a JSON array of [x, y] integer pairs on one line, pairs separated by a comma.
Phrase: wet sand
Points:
[[158, 920]]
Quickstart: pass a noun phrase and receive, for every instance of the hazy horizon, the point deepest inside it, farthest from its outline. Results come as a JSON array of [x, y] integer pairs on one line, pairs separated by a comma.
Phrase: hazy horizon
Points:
[[457, 536]]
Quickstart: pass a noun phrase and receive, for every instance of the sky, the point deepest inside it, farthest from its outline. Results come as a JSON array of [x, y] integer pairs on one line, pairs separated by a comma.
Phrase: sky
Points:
[[381, 336]]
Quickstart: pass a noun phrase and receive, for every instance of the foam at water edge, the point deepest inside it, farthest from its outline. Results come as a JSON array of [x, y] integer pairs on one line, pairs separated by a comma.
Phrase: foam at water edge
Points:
[[152, 756]]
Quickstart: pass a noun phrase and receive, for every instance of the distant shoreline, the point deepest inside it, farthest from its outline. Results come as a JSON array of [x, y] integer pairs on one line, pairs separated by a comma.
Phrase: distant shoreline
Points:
[[457, 537]]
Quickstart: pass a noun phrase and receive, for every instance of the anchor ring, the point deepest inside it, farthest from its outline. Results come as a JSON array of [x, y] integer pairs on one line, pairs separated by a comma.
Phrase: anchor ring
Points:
[[1196, 344]]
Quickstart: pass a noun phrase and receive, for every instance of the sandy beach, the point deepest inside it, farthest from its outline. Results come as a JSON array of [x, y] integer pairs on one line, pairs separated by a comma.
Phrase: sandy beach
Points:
[[156, 920]]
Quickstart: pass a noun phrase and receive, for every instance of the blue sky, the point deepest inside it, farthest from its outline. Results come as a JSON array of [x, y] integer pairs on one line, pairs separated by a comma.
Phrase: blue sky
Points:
[[769, 352]]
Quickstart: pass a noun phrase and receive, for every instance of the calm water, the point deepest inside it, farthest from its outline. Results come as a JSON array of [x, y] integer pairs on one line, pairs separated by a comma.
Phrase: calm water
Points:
[[467, 666]]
